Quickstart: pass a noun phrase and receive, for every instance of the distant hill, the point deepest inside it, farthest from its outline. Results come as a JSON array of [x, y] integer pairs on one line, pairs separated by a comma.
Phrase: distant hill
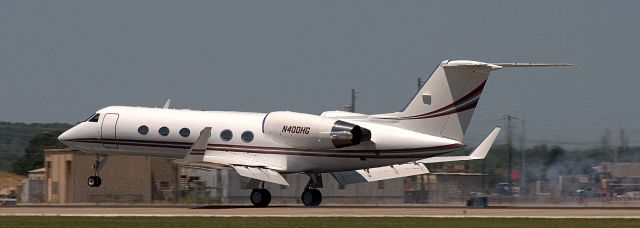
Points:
[[14, 137]]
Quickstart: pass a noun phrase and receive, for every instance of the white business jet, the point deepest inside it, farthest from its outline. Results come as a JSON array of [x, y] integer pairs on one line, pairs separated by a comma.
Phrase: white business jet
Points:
[[352, 147]]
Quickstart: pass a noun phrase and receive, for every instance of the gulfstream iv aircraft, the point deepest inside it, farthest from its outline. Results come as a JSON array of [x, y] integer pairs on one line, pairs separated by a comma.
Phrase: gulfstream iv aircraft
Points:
[[352, 147]]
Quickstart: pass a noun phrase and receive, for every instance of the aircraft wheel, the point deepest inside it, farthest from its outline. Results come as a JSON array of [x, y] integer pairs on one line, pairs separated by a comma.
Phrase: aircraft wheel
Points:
[[93, 181], [311, 197], [260, 197]]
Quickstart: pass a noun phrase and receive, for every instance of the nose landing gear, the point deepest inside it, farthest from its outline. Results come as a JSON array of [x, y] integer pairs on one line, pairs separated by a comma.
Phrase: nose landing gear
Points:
[[96, 181]]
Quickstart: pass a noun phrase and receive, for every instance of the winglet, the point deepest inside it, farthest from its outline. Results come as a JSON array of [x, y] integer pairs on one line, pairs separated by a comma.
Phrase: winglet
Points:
[[166, 104], [198, 147], [479, 153]]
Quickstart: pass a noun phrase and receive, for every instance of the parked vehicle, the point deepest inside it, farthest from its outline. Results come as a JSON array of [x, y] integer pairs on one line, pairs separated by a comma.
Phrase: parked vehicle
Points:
[[503, 189]]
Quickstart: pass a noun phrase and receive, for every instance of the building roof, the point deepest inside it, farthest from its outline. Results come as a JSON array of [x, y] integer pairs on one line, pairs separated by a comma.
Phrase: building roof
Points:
[[40, 170]]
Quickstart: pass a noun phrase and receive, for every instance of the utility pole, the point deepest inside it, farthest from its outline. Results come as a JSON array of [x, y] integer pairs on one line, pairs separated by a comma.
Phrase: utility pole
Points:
[[622, 148], [352, 107], [509, 149], [353, 100], [523, 182]]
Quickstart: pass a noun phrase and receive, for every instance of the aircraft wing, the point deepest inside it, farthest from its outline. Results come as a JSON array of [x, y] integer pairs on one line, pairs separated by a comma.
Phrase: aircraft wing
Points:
[[263, 174], [413, 168], [246, 168], [196, 158], [379, 173]]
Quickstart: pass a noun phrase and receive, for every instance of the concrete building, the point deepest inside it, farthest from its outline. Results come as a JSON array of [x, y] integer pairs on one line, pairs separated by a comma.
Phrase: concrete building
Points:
[[129, 179], [388, 191], [126, 179], [442, 187], [226, 186], [32, 190]]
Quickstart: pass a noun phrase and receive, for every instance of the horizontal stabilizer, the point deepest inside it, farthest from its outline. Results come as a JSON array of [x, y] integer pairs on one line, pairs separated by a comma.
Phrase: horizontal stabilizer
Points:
[[479, 153], [263, 174], [532, 64], [379, 173]]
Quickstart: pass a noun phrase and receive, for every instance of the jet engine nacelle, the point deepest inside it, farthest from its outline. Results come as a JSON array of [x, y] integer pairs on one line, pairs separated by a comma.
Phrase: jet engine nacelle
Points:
[[311, 131]]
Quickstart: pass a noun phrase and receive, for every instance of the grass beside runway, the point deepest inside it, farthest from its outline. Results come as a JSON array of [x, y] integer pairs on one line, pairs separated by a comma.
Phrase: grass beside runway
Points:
[[184, 222]]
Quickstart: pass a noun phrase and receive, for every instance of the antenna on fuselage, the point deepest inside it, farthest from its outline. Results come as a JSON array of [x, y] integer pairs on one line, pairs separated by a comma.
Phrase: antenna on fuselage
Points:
[[166, 104]]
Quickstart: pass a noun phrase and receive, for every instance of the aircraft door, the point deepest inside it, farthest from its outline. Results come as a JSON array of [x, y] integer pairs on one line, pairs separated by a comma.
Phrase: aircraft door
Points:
[[108, 131]]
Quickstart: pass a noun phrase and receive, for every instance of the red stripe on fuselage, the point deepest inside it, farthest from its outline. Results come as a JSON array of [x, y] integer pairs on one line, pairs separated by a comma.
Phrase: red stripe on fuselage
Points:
[[398, 153]]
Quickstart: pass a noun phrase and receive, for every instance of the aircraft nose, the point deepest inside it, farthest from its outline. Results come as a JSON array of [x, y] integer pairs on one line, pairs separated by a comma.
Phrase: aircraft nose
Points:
[[65, 136]]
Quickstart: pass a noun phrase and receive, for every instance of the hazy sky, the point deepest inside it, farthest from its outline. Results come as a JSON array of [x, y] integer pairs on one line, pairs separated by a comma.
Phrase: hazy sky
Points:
[[62, 60]]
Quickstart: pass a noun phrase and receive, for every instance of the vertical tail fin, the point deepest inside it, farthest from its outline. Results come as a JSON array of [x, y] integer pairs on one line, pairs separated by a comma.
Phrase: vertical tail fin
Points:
[[445, 104]]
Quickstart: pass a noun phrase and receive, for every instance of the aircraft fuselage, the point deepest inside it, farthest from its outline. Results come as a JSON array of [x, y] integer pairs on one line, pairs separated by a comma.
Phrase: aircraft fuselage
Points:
[[170, 133]]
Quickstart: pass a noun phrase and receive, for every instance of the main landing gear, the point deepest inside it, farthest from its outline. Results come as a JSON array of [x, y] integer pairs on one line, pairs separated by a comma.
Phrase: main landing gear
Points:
[[260, 197], [96, 181], [311, 196]]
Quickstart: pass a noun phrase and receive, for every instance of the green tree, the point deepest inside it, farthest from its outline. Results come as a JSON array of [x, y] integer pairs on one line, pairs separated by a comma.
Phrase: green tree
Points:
[[33, 157], [14, 138]]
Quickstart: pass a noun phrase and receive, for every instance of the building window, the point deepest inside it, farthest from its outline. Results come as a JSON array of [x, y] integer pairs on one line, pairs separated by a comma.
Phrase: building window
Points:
[[143, 130], [226, 135], [54, 187], [164, 185], [164, 131], [48, 170], [380, 184], [185, 132], [68, 165], [247, 136]]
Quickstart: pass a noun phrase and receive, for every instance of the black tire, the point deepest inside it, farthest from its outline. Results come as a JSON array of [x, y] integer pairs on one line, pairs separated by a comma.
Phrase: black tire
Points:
[[317, 197], [98, 181], [260, 197], [309, 197], [91, 181], [267, 195]]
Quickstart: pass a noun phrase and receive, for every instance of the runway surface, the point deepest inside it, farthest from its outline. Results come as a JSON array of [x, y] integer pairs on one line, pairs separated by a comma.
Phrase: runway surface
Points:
[[324, 211]]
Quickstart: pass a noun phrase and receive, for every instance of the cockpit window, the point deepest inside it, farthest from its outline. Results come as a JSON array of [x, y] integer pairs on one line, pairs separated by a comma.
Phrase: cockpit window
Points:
[[94, 118]]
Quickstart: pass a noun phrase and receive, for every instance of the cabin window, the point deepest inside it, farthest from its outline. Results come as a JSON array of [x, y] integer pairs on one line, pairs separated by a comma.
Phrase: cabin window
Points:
[[247, 136], [143, 130], [95, 118], [164, 131], [226, 135], [185, 132]]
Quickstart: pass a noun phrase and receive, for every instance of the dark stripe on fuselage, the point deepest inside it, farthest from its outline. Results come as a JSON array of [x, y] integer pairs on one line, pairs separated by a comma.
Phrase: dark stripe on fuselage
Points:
[[398, 153]]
